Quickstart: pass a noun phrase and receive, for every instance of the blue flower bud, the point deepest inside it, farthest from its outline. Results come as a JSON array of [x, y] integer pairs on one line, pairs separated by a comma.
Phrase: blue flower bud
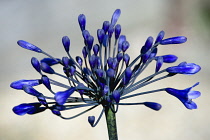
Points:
[[115, 63], [42, 100], [72, 70], [82, 21], [85, 34], [91, 120], [79, 60], [23, 109], [66, 43], [153, 53], [65, 61], [117, 31], [110, 73], [62, 96], [152, 105], [126, 58], [105, 90], [100, 35], [92, 61], [160, 37], [119, 57], [122, 38], [115, 16], [169, 58], [110, 62], [46, 82], [184, 68], [106, 41], [99, 73], [116, 96], [90, 40], [29, 46], [125, 46], [50, 61], [35, 63], [96, 49], [36, 110], [174, 40], [159, 63], [105, 26], [110, 31], [30, 90], [84, 52], [46, 68], [20, 83], [147, 45], [146, 56], [185, 96], [127, 76]]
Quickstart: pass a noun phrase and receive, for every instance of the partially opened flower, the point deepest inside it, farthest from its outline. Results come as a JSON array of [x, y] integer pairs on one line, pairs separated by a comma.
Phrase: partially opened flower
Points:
[[103, 75]]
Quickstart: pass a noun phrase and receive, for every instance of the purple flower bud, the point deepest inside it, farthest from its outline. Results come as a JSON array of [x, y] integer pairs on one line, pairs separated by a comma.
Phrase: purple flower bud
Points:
[[91, 120], [105, 26], [42, 100], [62, 96], [115, 63], [36, 110], [117, 31], [85, 34], [99, 73], [169, 58], [82, 21], [153, 53], [20, 83], [23, 109], [29, 46], [184, 68], [146, 56], [92, 61], [105, 41], [159, 63], [30, 90], [147, 45], [46, 81], [35, 63], [84, 52], [115, 16], [50, 61], [79, 60], [126, 58], [110, 73], [46, 68], [174, 40], [116, 96], [119, 57], [160, 37], [127, 76], [65, 61], [110, 62], [120, 42], [185, 96], [110, 31], [100, 35], [90, 40], [96, 49], [152, 105], [72, 70], [66, 43], [105, 90], [125, 46]]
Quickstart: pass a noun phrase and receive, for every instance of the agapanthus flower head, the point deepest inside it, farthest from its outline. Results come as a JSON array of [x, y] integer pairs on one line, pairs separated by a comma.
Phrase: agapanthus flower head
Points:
[[104, 74]]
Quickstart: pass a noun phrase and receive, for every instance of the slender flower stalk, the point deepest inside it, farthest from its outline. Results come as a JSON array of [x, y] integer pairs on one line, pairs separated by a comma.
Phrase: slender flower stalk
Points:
[[103, 76]]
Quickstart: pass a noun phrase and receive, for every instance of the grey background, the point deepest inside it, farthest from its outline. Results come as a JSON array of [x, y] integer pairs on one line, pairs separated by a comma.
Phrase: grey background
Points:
[[44, 22]]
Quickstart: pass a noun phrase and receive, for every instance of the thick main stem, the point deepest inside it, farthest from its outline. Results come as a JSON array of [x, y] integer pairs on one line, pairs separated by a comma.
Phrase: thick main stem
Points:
[[111, 123]]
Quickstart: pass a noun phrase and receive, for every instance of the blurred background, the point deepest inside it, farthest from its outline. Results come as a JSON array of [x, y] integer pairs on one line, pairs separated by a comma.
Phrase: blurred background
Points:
[[45, 22]]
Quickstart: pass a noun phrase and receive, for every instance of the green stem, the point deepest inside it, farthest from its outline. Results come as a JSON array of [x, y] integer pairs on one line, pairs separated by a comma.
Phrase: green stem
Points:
[[111, 123]]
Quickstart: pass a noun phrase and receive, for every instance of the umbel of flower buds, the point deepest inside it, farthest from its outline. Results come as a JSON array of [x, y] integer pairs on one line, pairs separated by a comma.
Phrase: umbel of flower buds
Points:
[[104, 74]]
